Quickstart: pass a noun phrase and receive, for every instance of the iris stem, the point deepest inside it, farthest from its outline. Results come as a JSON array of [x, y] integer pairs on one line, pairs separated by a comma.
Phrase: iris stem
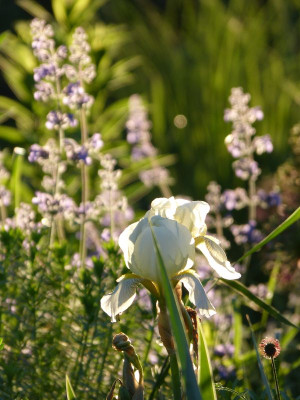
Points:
[[275, 378], [175, 375]]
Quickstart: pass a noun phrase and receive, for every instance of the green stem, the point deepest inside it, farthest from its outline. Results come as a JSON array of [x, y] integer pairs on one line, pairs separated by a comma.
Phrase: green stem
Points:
[[105, 353], [84, 193], [149, 345], [175, 375], [276, 379], [160, 379]]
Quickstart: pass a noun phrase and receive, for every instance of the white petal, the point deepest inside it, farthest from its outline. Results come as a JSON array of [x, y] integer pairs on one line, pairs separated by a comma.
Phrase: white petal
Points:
[[192, 214], [121, 298], [217, 259], [163, 207], [128, 237], [175, 243], [197, 293]]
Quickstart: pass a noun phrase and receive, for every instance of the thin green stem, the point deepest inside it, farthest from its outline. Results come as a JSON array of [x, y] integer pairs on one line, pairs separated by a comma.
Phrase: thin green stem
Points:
[[175, 375], [149, 345], [276, 379], [105, 353], [85, 191], [161, 377], [252, 205]]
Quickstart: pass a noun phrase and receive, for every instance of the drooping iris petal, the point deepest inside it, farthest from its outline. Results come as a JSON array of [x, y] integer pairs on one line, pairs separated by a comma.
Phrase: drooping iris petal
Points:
[[197, 293], [121, 298], [216, 258], [192, 214]]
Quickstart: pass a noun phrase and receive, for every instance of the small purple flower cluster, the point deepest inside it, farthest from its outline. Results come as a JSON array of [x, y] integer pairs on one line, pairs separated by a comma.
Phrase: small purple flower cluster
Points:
[[246, 233], [52, 205], [111, 203], [215, 219], [83, 153], [240, 142], [138, 135]]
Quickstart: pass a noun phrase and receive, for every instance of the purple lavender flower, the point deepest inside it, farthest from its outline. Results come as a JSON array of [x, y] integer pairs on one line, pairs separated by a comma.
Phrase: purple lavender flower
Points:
[[76, 262], [36, 152], [225, 372], [75, 96], [42, 43], [75, 152], [271, 199], [44, 91], [263, 144], [143, 150], [5, 196], [222, 350], [95, 143], [154, 176], [235, 199], [44, 71], [246, 168], [57, 120], [54, 204], [259, 290], [246, 233]]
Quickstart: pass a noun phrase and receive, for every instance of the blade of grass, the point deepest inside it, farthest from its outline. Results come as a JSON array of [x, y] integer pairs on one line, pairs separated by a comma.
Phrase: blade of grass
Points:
[[282, 227], [182, 348], [15, 182], [205, 376], [69, 389], [261, 368], [241, 289], [237, 328]]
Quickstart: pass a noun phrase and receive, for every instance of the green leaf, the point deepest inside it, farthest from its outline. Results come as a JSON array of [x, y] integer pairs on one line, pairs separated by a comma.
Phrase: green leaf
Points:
[[261, 368], [1, 344], [10, 134], [241, 289], [34, 9], [59, 10], [15, 181], [282, 227], [182, 347], [2, 36], [205, 375], [69, 389]]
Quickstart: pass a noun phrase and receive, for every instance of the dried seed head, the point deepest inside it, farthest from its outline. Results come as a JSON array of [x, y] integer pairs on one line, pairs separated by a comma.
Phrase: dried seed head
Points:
[[269, 347]]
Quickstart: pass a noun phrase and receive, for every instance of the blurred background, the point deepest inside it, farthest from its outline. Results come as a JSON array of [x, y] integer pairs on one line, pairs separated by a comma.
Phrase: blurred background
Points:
[[182, 57]]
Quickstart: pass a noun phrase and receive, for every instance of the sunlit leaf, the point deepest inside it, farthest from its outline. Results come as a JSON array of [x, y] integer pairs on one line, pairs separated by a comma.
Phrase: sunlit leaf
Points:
[[241, 289], [261, 368], [182, 348], [69, 389], [282, 227], [205, 375]]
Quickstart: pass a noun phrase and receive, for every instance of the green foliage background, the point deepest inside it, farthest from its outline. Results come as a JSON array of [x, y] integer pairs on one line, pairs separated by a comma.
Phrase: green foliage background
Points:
[[183, 56]]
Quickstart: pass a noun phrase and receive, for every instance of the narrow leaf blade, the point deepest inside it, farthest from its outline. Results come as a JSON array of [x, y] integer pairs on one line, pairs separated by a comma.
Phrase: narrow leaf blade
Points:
[[182, 348], [241, 289], [261, 368], [205, 376], [69, 389], [282, 227]]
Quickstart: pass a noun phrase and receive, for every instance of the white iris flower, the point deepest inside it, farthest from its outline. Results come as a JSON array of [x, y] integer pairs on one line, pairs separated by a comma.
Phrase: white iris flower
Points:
[[179, 228]]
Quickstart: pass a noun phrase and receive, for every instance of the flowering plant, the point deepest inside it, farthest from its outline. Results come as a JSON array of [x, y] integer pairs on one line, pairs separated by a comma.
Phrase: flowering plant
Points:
[[179, 227]]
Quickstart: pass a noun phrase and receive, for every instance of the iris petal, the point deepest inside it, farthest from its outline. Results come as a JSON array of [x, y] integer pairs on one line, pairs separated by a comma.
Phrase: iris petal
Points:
[[121, 298], [197, 293], [216, 258]]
